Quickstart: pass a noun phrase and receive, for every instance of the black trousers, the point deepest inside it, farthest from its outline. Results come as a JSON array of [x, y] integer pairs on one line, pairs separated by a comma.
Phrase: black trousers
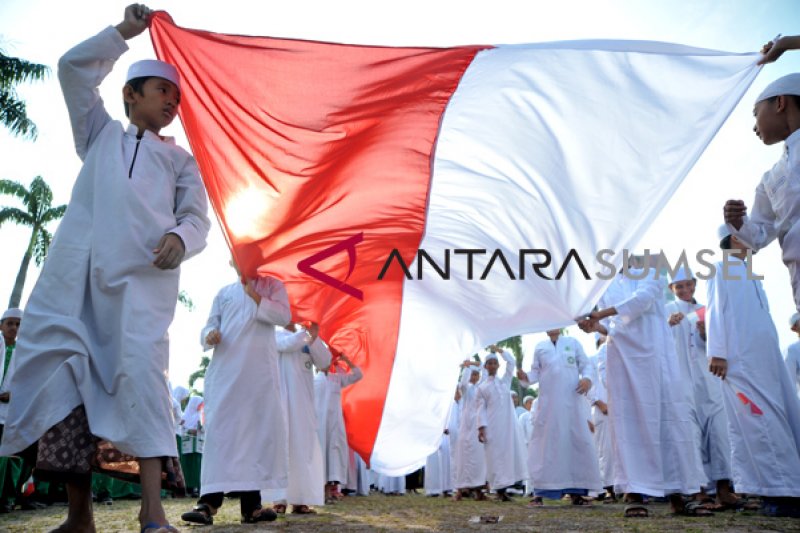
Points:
[[249, 500]]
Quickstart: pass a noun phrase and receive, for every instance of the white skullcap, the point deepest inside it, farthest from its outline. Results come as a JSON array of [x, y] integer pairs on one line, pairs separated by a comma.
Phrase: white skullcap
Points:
[[683, 274], [12, 312], [153, 67], [789, 84], [794, 319], [180, 393], [490, 355], [526, 398], [514, 393]]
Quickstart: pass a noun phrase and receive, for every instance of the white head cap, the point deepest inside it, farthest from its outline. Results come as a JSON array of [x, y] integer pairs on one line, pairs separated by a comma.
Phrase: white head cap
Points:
[[526, 399], [153, 67], [789, 84], [794, 319], [683, 274], [490, 355], [12, 312]]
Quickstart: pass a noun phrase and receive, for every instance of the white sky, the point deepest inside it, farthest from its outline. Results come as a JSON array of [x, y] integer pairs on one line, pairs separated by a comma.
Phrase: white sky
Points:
[[40, 31]]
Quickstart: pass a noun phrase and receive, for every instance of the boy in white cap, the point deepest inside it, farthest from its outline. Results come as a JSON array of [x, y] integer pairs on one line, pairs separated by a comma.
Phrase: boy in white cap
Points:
[[687, 323], [775, 211], [90, 380], [792, 357], [470, 460], [760, 400], [497, 425]]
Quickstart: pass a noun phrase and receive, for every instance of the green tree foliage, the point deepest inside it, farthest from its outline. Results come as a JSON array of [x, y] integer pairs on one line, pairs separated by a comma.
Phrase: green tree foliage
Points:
[[13, 111], [36, 213]]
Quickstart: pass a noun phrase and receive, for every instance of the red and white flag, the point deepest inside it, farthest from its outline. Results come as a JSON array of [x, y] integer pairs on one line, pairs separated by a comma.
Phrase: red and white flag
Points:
[[332, 167]]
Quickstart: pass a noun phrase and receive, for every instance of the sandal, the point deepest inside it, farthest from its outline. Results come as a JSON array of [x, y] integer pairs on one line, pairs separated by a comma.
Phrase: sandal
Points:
[[156, 526], [261, 515], [302, 509], [636, 510], [693, 508], [200, 514], [580, 501], [279, 508], [537, 501]]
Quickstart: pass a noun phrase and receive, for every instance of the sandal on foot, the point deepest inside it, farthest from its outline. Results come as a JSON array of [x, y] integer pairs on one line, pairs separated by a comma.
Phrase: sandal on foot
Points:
[[302, 509], [693, 508], [536, 502], [200, 514], [156, 526], [636, 510], [261, 515], [279, 508], [580, 501]]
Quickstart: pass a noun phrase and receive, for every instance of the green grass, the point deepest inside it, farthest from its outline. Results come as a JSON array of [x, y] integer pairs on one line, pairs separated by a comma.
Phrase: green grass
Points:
[[416, 513]]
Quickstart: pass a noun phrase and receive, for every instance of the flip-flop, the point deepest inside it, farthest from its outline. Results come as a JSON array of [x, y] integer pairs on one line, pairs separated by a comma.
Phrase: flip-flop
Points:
[[636, 510], [263, 515], [302, 509], [157, 526], [694, 509]]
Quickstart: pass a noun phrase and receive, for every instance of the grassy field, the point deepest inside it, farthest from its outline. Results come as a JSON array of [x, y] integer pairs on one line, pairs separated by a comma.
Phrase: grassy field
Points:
[[417, 513]]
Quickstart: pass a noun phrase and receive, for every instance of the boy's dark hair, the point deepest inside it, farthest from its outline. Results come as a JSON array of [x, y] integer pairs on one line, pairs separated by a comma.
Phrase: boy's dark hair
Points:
[[725, 243], [137, 85]]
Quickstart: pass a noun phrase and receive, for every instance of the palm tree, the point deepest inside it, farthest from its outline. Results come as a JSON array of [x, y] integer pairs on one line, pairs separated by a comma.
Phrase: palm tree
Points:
[[13, 113], [36, 214]]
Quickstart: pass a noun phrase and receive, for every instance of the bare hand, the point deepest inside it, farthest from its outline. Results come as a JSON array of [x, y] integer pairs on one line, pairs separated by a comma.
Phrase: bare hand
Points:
[[718, 367], [701, 329], [482, 434], [588, 325], [583, 386], [135, 20], [169, 252], [5, 397], [250, 290], [522, 375], [734, 212], [602, 406], [773, 50], [675, 318], [214, 337], [313, 330]]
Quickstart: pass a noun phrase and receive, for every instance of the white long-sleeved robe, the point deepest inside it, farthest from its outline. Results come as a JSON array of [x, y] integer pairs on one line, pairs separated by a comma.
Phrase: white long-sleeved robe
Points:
[[438, 478], [561, 453], [505, 455], [246, 428], [602, 435], [297, 361], [95, 329], [792, 360], [470, 458], [765, 439], [330, 420], [775, 212], [711, 420], [649, 407]]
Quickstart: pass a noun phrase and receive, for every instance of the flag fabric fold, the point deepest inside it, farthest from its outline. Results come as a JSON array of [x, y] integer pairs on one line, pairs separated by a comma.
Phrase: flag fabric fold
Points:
[[409, 198]]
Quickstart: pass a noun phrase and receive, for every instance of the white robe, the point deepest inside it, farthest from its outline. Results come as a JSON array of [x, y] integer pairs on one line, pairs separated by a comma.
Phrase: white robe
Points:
[[358, 479], [775, 211], [561, 453], [712, 422], [470, 458], [602, 435], [765, 447], [649, 409], [792, 361], [246, 428], [306, 467], [95, 328], [330, 420], [505, 455], [5, 377], [438, 478]]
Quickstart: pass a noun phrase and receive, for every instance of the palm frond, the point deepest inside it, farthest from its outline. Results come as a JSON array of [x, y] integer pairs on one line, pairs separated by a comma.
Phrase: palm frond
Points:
[[17, 216], [41, 246], [54, 213], [14, 115], [14, 188], [14, 70]]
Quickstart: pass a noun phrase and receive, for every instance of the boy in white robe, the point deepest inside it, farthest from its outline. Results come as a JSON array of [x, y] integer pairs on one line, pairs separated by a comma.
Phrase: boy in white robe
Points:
[[688, 332], [301, 350], [792, 356], [94, 352], [649, 410], [761, 402], [561, 456], [776, 208], [470, 459], [497, 426], [438, 479], [245, 448], [598, 398]]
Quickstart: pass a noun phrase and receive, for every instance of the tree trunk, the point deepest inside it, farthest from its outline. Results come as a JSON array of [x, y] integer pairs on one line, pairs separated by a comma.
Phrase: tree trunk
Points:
[[16, 294]]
